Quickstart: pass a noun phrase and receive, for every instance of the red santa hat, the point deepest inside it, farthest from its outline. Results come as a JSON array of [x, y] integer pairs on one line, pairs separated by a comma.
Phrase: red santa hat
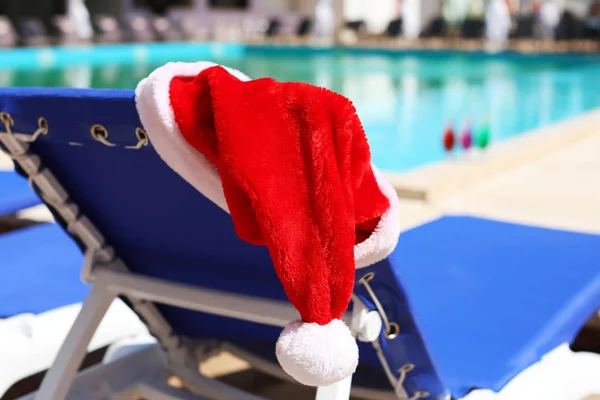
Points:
[[291, 164]]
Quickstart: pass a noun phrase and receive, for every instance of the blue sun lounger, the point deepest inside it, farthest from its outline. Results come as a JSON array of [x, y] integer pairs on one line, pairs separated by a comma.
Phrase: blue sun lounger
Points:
[[463, 302], [15, 194], [40, 271], [35, 250], [40, 287], [40, 295]]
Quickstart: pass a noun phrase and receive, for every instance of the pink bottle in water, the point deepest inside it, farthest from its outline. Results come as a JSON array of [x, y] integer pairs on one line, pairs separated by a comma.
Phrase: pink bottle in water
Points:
[[466, 138]]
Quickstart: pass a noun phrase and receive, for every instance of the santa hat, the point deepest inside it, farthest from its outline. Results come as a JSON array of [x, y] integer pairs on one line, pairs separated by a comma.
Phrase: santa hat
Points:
[[291, 164]]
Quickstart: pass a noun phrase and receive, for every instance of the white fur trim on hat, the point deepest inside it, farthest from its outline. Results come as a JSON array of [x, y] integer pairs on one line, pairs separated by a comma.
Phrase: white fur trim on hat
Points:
[[317, 355], [384, 238], [153, 104], [155, 111]]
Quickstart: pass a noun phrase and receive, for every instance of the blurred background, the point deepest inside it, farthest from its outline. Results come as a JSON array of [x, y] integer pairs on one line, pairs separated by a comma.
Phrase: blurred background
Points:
[[413, 68], [38, 22]]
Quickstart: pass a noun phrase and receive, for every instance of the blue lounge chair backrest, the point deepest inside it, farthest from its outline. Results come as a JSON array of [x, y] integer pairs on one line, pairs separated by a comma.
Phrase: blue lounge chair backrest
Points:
[[162, 227]]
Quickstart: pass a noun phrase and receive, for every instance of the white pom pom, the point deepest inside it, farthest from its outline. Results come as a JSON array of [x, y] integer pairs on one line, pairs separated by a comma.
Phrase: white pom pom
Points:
[[317, 355]]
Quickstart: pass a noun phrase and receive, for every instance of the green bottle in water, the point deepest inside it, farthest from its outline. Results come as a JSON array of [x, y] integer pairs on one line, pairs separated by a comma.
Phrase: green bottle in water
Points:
[[483, 135]]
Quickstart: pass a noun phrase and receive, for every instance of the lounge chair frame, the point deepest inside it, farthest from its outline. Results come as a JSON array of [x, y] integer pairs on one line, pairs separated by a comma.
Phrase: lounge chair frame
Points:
[[110, 278]]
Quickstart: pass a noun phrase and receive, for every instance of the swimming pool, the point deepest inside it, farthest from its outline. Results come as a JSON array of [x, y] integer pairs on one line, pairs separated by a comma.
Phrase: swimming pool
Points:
[[404, 99]]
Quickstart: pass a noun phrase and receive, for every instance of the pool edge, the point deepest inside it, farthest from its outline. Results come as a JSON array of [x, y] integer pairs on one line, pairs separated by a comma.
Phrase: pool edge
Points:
[[435, 181], [120, 53]]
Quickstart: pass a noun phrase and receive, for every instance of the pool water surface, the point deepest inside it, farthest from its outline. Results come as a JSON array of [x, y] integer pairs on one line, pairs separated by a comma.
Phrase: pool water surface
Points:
[[404, 100]]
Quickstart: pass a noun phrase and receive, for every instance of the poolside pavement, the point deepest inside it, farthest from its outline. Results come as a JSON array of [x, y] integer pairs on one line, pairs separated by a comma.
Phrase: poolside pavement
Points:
[[558, 189]]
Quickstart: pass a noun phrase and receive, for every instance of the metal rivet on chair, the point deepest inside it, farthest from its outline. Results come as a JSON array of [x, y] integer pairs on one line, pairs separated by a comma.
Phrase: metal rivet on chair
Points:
[[404, 370], [392, 329], [100, 133], [43, 125], [41, 130], [142, 138], [7, 120], [366, 278]]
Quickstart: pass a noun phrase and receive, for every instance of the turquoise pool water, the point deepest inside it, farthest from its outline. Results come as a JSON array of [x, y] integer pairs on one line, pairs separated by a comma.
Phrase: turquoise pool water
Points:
[[404, 99]]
